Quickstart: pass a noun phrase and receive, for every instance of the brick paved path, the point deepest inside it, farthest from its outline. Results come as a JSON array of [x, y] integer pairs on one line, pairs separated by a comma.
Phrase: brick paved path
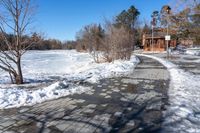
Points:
[[130, 104]]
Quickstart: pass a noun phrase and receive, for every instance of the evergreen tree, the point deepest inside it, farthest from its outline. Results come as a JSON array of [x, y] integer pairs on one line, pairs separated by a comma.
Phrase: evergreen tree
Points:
[[165, 15], [127, 18]]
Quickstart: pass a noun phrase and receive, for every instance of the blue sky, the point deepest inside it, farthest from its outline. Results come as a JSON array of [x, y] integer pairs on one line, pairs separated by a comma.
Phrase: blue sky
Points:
[[61, 19]]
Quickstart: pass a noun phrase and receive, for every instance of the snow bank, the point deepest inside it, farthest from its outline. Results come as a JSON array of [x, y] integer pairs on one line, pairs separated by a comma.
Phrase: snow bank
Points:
[[60, 68], [14, 97], [193, 51], [93, 72], [182, 114]]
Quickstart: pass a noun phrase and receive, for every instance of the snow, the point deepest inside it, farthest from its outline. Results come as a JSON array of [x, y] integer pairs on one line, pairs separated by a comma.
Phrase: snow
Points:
[[183, 112], [59, 70], [193, 51], [39, 66], [14, 97]]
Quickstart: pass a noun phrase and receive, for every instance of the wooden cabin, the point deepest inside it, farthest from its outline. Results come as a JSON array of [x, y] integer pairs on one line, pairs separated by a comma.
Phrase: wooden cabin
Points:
[[159, 43]]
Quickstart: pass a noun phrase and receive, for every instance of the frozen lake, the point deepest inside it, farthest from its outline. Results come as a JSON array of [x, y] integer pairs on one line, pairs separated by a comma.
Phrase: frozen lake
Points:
[[39, 65]]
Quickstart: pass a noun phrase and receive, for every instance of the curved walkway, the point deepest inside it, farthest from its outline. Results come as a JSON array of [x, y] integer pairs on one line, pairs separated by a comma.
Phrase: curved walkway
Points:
[[183, 110], [130, 104]]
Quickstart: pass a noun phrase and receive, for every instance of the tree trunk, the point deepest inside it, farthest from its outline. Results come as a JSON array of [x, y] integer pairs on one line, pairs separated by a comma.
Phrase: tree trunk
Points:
[[11, 78], [19, 76]]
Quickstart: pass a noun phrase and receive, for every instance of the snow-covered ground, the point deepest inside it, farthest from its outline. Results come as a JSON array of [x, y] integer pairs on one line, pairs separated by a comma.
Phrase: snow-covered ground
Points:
[[183, 112], [193, 51], [187, 58], [59, 69]]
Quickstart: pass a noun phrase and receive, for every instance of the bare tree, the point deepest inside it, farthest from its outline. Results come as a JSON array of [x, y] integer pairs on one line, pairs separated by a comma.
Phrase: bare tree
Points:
[[186, 19], [91, 37], [118, 43], [15, 18]]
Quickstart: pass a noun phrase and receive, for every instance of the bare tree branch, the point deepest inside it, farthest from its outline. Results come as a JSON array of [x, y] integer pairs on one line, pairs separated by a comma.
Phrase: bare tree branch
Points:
[[17, 18]]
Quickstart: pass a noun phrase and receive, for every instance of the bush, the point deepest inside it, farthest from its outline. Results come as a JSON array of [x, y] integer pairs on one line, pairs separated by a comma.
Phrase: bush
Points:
[[114, 43], [118, 44]]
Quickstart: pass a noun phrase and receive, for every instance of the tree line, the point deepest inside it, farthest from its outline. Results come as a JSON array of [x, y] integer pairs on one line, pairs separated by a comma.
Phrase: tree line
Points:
[[37, 42]]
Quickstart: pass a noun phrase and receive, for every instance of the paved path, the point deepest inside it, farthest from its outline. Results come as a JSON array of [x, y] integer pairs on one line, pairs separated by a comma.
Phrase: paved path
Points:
[[130, 104], [188, 63]]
